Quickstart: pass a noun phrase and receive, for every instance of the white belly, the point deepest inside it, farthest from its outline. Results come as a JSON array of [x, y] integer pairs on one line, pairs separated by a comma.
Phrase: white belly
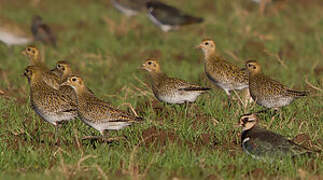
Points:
[[126, 11], [108, 125], [180, 97], [164, 27], [11, 39]]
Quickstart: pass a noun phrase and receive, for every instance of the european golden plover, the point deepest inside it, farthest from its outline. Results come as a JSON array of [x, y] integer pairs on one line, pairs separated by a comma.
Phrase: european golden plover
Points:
[[171, 90], [268, 92], [97, 113], [50, 104]]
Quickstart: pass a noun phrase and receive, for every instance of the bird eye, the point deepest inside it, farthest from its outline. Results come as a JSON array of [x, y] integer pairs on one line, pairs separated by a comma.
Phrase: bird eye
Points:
[[254, 67], [149, 63], [58, 65], [249, 65], [28, 49], [206, 43], [245, 119], [73, 79]]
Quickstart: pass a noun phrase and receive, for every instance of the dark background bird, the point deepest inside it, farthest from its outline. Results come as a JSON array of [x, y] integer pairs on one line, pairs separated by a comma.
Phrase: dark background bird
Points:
[[168, 17], [42, 32]]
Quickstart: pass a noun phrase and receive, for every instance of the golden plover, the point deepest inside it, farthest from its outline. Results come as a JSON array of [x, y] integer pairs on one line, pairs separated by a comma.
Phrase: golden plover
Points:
[[267, 92], [221, 72], [50, 104], [97, 113], [171, 90]]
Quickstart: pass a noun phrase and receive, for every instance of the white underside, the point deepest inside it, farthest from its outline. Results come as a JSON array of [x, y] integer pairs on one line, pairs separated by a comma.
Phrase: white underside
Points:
[[126, 11], [107, 126], [11, 39], [228, 87], [275, 102], [163, 27], [54, 118], [180, 97]]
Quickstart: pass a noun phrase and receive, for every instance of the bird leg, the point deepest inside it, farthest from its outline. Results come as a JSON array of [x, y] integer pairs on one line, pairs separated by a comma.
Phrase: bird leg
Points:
[[103, 138], [229, 99], [57, 140]]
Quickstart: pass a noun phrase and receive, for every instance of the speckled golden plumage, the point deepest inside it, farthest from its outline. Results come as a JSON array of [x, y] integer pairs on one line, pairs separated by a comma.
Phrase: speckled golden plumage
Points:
[[171, 90], [95, 112], [50, 104], [48, 77], [221, 72], [62, 70], [268, 92]]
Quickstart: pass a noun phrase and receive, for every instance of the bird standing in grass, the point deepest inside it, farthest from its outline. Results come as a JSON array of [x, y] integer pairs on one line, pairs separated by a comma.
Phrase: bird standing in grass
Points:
[[268, 92], [50, 104], [97, 113], [221, 72], [263, 144], [171, 90], [48, 76], [42, 32], [167, 17]]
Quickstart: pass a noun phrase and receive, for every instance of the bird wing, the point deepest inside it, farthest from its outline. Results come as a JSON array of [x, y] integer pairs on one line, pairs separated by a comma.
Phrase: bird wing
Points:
[[274, 144], [170, 15], [51, 79], [111, 114], [182, 85]]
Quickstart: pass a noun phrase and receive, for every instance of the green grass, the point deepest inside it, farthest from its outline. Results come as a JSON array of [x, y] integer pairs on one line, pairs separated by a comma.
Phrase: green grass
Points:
[[197, 143]]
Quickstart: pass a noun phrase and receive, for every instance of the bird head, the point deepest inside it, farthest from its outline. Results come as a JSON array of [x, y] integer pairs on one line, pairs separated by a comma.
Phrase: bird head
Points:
[[248, 121], [253, 67], [208, 46], [32, 73], [76, 82], [151, 65], [64, 68], [31, 51]]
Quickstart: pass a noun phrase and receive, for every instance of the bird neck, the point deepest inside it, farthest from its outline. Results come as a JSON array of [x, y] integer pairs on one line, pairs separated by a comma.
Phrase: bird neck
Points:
[[156, 77], [211, 56], [83, 93], [37, 84], [246, 132], [253, 75]]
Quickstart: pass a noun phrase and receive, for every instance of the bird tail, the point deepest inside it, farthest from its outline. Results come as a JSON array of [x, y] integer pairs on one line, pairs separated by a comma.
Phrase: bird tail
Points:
[[298, 93], [192, 20], [195, 89]]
